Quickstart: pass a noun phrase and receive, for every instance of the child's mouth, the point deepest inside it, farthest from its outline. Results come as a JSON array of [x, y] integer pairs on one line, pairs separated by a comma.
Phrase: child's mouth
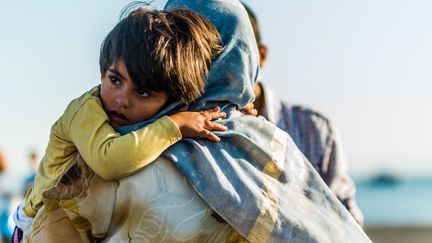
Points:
[[117, 118]]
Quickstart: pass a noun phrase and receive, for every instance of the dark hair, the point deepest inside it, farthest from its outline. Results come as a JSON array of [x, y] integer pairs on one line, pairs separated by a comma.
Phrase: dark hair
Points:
[[254, 21], [168, 51]]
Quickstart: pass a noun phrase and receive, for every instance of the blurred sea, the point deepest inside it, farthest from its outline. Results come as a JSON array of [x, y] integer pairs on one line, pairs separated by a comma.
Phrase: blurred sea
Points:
[[388, 200]]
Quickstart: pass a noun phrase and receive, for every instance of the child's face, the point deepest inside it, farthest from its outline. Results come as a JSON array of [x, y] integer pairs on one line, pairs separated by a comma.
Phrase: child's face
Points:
[[123, 101]]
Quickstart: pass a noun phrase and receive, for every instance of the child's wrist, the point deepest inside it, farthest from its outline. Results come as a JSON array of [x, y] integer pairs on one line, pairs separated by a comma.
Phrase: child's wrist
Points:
[[176, 121], [172, 127]]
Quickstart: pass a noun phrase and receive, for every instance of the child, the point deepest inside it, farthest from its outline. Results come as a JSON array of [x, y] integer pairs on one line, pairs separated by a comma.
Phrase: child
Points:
[[149, 60]]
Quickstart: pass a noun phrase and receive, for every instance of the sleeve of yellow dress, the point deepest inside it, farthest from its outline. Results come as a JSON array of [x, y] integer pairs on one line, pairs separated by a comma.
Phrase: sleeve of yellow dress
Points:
[[52, 166], [111, 155]]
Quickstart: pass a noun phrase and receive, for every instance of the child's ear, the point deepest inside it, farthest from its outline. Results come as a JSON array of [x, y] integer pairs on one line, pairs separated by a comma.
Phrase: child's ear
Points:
[[263, 50]]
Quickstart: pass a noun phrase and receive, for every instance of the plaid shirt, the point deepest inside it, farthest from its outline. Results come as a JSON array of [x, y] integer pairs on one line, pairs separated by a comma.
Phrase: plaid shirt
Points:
[[317, 139]]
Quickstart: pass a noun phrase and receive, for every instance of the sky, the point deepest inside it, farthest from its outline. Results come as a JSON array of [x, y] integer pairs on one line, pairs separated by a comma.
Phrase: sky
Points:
[[364, 64]]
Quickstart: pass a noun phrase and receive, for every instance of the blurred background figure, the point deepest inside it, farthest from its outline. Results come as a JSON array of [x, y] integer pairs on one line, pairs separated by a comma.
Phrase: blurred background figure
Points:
[[5, 200], [3, 163], [34, 164], [311, 131]]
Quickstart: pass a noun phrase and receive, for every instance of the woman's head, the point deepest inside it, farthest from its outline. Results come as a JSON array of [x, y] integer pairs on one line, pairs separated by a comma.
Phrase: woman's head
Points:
[[163, 51], [232, 76], [3, 163]]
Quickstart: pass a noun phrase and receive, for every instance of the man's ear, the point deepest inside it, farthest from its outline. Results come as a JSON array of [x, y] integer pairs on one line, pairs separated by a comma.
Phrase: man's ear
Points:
[[263, 50]]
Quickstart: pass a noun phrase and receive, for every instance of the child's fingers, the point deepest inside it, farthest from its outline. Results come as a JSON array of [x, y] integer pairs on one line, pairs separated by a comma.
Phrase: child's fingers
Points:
[[210, 136], [214, 113], [249, 109], [252, 112], [215, 109], [214, 126], [248, 106]]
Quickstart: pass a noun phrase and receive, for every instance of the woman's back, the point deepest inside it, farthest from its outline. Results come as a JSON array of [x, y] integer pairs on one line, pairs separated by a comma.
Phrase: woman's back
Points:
[[158, 205]]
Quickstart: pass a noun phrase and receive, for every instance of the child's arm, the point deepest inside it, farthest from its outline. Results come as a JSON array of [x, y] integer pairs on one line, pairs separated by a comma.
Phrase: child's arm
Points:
[[113, 156], [85, 127]]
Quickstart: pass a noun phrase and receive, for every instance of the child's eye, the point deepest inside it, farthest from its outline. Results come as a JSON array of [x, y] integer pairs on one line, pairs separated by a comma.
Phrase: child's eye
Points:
[[143, 93], [115, 80]]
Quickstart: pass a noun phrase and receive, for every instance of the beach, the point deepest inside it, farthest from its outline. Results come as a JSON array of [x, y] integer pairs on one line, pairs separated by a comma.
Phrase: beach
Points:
[[400, 234], [396, 210]]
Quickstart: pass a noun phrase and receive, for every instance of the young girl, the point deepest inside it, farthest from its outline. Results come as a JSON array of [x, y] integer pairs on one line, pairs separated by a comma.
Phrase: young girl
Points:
[[149, 60]]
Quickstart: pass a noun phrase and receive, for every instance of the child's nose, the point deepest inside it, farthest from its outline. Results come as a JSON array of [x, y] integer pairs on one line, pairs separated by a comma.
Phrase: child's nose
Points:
[[123, 101]]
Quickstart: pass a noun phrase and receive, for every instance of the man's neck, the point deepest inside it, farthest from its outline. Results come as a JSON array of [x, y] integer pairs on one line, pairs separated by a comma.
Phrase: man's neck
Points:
[[259, 98]]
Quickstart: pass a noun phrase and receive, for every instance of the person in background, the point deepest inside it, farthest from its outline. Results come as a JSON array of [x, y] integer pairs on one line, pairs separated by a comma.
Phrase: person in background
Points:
[[5, 199], [34, 163], [312, 132], [3, 163]]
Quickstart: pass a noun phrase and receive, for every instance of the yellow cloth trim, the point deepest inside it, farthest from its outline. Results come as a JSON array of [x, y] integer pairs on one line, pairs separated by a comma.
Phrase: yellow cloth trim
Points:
[[235, 237], [272, 169], [29, 211], [81, 223], [265, 222]]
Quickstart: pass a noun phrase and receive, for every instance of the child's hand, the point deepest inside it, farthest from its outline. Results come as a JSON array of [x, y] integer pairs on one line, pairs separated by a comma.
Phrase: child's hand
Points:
[[249, 109], [200, 124]]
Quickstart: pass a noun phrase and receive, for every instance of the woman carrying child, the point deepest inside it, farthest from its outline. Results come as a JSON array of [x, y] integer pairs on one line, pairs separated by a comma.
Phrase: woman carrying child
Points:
[[253, 185]]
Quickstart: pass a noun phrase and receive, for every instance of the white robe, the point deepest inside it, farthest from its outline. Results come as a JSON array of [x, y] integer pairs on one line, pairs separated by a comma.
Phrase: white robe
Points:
[[158, 205]]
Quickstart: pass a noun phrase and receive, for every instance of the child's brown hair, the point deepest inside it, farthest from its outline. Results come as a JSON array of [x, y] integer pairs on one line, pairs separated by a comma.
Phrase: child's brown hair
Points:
[[169, 51]]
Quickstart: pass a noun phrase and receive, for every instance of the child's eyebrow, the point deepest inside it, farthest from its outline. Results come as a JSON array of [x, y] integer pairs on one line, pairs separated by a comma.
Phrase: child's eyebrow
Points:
[[113, 70]]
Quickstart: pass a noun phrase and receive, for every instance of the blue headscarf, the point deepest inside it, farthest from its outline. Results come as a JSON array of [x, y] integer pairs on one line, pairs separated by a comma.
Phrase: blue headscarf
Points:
[[255, 177], [232, 76]]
